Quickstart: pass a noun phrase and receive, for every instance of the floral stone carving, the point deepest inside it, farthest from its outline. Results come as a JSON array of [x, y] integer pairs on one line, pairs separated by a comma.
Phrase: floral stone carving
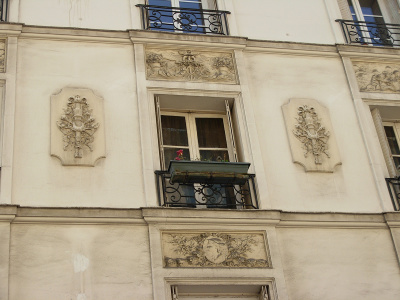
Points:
[[215, 250], [188, 65], [310, 135], [77, 125], [77, 137], [377, 78]]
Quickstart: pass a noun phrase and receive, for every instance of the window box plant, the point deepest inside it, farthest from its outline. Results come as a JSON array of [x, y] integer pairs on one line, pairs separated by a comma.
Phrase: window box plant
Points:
[[186, 171]]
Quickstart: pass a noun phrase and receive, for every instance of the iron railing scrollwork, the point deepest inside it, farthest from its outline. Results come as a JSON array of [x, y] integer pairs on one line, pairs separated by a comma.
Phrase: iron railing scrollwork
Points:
[[393, 185], [370, 33], [206, 194], [3, 10], [188, 20]]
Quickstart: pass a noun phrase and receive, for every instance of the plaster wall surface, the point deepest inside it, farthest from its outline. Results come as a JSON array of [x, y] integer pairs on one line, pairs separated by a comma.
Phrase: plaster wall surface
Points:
[[79, 262], [273, 80], [97, 14], [44, 68], [280, 21], [4, 258], [333, 264], [256, 19]]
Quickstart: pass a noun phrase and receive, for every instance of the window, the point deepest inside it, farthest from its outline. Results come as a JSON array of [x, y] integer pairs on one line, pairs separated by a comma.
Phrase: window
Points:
[[368, 22], [222, 291], [392, 131], [203, 137], [191, 16], [198, 131]]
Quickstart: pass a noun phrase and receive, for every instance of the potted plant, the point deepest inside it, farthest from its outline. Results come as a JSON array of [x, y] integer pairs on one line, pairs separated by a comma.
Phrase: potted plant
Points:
[[197, 171]]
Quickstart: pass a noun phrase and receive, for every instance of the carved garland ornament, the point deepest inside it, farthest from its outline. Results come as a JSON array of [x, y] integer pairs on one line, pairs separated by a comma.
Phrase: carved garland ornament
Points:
[[77, 125], [311, 133], [192, 66], [215, 250]]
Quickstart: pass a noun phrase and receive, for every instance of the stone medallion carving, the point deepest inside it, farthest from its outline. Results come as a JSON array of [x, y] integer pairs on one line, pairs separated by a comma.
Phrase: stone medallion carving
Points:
[[378, 78], [310, 134], [215, 250], [77, 128], [190, 65], [2, 55]]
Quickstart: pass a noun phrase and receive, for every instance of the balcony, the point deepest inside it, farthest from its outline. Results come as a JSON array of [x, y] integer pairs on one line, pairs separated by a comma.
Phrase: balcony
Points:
[[370, 33], [175, 19], [206, 190], [393, 185], [3, 10]]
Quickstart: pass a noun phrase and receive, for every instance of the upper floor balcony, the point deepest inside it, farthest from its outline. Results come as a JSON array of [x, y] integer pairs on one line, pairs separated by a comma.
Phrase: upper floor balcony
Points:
[[179, 19], [370, 33]]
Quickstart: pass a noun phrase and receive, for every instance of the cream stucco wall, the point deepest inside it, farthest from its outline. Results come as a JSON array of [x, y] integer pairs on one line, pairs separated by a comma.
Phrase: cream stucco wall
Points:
[[359, 257], [79, 262], [274, 79], [256, 19], [107, 69]]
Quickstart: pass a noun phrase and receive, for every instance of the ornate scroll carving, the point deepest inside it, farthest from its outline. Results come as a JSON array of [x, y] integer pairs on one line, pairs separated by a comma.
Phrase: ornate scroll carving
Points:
[[77, 137], [378, 78], [2, 55], [77, 125], [188, 65], [215, 250], [311, 135]]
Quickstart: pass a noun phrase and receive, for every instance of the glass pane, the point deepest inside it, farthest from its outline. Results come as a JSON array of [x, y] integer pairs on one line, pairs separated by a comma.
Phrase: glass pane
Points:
[[214, 155], [391, 137], [161, 18], [171, 154], [370, 7], [174, 131], [211, 133], [396, 160], [160, 2]]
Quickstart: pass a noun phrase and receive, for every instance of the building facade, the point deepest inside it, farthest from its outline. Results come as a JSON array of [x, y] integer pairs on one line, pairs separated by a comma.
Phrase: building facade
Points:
[[199, 149]]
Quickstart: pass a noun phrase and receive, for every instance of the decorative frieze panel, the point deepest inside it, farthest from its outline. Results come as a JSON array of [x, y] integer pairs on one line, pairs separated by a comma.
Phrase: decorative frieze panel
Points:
[[312, 142], [77, 127], [215, 250], [2, 55], [190, 65], [377, 77]]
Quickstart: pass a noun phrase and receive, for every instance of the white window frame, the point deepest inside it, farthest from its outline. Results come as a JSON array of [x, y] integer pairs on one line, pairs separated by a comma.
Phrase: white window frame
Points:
[[396, 128], [267, 287], [194, 149]]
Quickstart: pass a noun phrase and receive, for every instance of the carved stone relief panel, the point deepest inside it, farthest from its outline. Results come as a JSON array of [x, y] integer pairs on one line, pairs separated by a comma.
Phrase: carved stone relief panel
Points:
[[2, 55], [215, 250], [312, 142], [377, 77], [190, 65], [77, 127]]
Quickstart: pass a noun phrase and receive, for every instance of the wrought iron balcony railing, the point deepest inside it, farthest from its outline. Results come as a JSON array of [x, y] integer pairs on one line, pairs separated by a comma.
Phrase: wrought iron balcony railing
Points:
[[393, 185], [370, 33], [3, 10], [205, 191], [175, 19]]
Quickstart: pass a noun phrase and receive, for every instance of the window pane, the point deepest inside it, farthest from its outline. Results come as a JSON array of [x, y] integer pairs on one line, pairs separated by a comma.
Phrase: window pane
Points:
[[211, 133], [160, 2], [214, 155], [391, 137], [170, 154], [174, 131], [396, 162], [370, 7]]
